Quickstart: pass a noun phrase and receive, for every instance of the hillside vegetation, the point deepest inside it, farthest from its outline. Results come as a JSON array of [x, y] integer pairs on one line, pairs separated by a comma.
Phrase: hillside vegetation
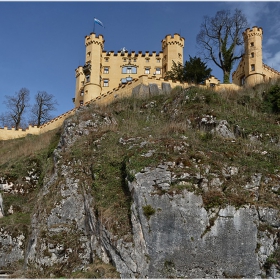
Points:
[[139, 132]]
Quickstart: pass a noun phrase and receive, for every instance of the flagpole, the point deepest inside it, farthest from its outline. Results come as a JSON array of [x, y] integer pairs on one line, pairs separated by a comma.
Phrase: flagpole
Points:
[[93, 25]]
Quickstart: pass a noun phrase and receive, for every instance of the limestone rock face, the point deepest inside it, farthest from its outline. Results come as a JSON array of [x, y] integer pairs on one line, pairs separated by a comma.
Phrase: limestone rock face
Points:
[[173, 233], [180, 242]]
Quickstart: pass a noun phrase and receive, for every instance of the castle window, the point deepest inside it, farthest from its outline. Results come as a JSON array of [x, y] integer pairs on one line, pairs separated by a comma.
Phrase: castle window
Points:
[[87, 78], [158, 60], [106, 59], [88, 54], [252, 54], [129, 70], [252, 44], [105, 83], [147, 60], [134, 59], [81, 102], [126, 80], [124, 59], [82, 93], [106, 70], [252, 67], [158, 71], [147, 70]]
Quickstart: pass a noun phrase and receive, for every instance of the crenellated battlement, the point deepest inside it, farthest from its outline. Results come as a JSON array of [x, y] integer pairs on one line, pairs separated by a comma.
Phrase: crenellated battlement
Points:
[[255, 31], [131, 54], [172, 40], [93, 39], [271, 69]]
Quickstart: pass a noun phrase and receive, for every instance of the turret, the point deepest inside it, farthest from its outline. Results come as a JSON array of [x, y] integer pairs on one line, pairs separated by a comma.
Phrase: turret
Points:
[[253, 55], [88, 76], [172, 48]]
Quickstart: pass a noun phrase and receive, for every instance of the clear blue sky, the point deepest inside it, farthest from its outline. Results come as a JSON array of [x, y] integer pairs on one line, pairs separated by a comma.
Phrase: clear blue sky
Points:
[[42, 43]]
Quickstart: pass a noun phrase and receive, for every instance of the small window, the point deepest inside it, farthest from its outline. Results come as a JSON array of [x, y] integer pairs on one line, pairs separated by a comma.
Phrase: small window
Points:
[[252, 54], [106, 70], [158, 60], [124, 59], [128, 70], [147, 70], [134, 59], [147, 60], [158, 71], [81, 102], [105, 83], [252, 67], [87, 78], [106, 59], [252, 44], [88, 54], [82, 93]]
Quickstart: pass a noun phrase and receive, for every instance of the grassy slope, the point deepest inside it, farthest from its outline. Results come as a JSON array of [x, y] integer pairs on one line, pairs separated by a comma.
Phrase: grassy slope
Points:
[[168, 126]]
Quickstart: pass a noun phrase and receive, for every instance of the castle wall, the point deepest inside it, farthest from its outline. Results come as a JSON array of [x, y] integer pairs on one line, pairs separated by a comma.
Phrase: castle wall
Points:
[[6, 134], [128, 66]]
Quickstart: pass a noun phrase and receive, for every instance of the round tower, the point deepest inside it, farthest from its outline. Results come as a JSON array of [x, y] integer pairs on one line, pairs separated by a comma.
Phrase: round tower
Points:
[[253, 55], [172, 48], [92, 68]]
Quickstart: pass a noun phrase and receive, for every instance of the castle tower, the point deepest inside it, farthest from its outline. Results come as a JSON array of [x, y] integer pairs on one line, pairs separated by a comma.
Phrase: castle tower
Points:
[[253, 67], [88, 77], [172, 48]]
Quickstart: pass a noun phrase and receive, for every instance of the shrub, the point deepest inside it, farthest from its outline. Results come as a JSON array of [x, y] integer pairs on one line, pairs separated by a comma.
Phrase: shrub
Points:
[[148, 211]]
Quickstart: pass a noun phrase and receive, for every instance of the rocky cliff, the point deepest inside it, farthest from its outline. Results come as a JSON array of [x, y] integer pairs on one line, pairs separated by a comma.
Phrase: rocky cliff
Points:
[[164, 186]]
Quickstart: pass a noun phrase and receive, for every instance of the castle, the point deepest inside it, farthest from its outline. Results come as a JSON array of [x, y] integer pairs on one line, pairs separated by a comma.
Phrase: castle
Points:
[[104, 71], [107, 75]]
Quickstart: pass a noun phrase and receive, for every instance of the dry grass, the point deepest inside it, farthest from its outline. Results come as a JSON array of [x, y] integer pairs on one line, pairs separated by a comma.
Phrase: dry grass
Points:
[[25, 147]]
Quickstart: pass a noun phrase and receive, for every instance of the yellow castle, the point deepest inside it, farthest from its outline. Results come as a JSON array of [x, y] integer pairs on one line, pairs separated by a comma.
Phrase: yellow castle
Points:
[[104, 71]]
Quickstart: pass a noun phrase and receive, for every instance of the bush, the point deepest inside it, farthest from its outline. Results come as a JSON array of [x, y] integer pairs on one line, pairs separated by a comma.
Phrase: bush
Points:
[[272, 100]]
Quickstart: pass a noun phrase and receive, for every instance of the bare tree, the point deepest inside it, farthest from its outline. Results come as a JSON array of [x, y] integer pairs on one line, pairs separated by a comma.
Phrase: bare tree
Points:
[[3, 121], [17, 105], [219, 38], [44, 104]]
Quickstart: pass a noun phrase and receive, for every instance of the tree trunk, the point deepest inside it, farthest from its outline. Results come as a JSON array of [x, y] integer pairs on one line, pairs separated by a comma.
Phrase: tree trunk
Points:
[[226, 77]]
